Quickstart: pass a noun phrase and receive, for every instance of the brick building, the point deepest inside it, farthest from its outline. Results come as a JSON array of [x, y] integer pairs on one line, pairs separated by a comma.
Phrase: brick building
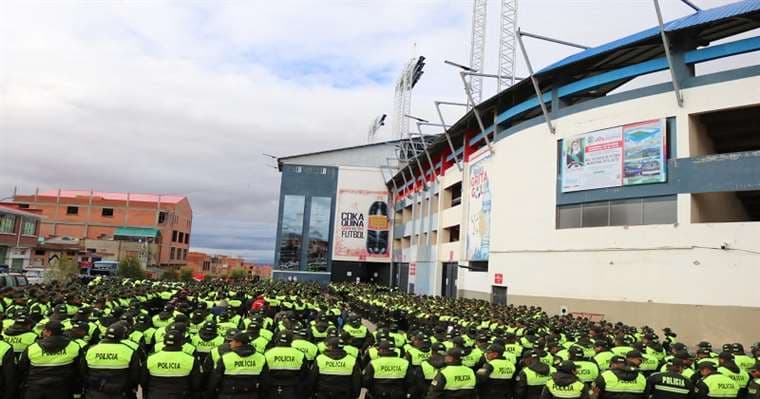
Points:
[[155, 227], [19, 230]]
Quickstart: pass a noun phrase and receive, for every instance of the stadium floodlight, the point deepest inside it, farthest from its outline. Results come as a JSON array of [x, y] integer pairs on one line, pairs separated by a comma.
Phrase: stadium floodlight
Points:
[[375, 126], [417, 70]]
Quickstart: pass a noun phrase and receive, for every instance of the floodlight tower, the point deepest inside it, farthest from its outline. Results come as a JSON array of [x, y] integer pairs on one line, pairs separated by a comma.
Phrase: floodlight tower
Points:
[[478, 47], [507, 48], [402, 104]]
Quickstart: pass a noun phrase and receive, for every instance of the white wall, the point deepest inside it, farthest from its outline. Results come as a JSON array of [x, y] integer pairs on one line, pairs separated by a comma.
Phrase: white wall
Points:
[[639, 263]]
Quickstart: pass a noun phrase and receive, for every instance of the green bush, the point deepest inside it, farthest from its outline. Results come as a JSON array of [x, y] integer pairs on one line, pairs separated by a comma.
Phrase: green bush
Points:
[[64, 269], [170, 275], [186, 274], [237, 274], [130, 268]]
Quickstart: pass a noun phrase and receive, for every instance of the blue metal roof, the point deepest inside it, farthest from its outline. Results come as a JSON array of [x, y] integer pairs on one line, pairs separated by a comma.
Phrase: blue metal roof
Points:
[[689, 21]]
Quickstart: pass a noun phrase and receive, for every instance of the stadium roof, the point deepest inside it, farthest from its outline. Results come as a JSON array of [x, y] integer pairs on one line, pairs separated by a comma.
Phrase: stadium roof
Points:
[[693, 31]]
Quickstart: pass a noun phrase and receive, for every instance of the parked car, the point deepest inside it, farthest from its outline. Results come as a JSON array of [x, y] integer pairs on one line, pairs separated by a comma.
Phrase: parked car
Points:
[[35, 275], [13, 280], [651, 168]]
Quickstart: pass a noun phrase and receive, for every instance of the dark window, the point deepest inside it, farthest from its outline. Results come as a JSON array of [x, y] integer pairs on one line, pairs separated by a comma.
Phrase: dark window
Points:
[[456, 194], [107, 212], [291, 232], [23, 206], [628, 212], [181, 238], [174, 236], [72, 210], [92, 250], [39, 252], [187, 238], [171, 253], [453, 233], [480, 266], [7, 223], [161, 217]]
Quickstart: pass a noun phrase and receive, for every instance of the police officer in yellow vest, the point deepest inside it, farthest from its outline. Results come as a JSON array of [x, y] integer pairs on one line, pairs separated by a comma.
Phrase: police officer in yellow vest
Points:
[[531, 380], [565, 383], [49, 368], [713, 384], [20, 334], [357, 333], [620, 381], [170, 372], [335, 373], [454, 380], [587, 371], [728, 367], [388, 376], [287, 370], [240, 373], [670, 384], [111, 369], [8, 379], [496, 378]]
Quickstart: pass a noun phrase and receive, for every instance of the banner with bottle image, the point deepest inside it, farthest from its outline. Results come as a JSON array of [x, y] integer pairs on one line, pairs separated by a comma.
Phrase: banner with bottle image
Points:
[[618, 156], [363, 226], [479, 211]]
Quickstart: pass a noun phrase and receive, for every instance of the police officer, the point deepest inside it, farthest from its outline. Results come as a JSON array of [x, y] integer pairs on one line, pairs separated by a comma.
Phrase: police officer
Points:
[[301, 342], [206, 340], [20, 334], [565, 384], [287, 370], [454, 380], [533, 377], [49, 368], [729, 368], [336, 374], [357, 333], [713, 384], [620, 381], [171, 372], [240, 373], [670, 384], [388, 376], [495, 379], [8, 380], [586, 371], [110, 368], [753, 390]]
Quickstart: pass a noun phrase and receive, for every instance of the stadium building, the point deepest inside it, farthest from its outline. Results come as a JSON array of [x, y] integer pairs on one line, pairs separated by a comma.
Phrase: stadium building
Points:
[[638, 205]]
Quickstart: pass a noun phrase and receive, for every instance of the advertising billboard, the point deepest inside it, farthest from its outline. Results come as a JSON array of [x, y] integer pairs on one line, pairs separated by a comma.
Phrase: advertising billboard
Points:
[[479, 211], [623, 155], [363, 227]]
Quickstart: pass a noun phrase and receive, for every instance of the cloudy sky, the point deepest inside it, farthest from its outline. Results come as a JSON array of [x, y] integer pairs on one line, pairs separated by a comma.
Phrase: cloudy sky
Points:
[[183, 97]]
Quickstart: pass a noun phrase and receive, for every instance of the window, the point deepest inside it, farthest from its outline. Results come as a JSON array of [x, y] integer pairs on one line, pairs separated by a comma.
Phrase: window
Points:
[[106, 212], [291, 232], [324, 171], [725, 207], [181, 238], [724, 131], [174, 236], [480, 266], [451, 234], [39, 252], [187, 238], [455, 193], [72, 210], [299, 169], [319, 233], [30, 227], [171, 253], [7, 224], [161, 217], [23, 206], [628, 212], [184, 254]]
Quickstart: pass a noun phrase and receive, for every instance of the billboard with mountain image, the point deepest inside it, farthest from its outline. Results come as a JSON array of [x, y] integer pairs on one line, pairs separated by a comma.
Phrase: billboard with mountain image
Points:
[[644, 153]]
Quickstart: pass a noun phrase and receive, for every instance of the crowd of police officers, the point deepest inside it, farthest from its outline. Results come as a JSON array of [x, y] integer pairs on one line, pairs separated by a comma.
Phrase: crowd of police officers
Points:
[[263, 339]]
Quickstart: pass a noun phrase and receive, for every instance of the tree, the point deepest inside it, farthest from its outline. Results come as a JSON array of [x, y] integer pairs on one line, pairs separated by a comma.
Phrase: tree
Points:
[[130, 267], [64, 269], [169, 275], [186, 273], [237, 274]]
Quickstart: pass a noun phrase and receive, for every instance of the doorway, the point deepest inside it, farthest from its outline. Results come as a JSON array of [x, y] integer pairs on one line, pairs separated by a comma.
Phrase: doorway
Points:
[[449, 280], [498, 295]]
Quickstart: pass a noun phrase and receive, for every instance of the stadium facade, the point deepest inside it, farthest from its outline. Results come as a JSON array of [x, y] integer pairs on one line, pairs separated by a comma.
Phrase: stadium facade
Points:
[[616, 204]]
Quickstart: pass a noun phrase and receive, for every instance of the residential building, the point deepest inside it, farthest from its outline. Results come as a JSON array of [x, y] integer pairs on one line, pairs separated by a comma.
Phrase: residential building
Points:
[[19, 229], [112, 225]]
